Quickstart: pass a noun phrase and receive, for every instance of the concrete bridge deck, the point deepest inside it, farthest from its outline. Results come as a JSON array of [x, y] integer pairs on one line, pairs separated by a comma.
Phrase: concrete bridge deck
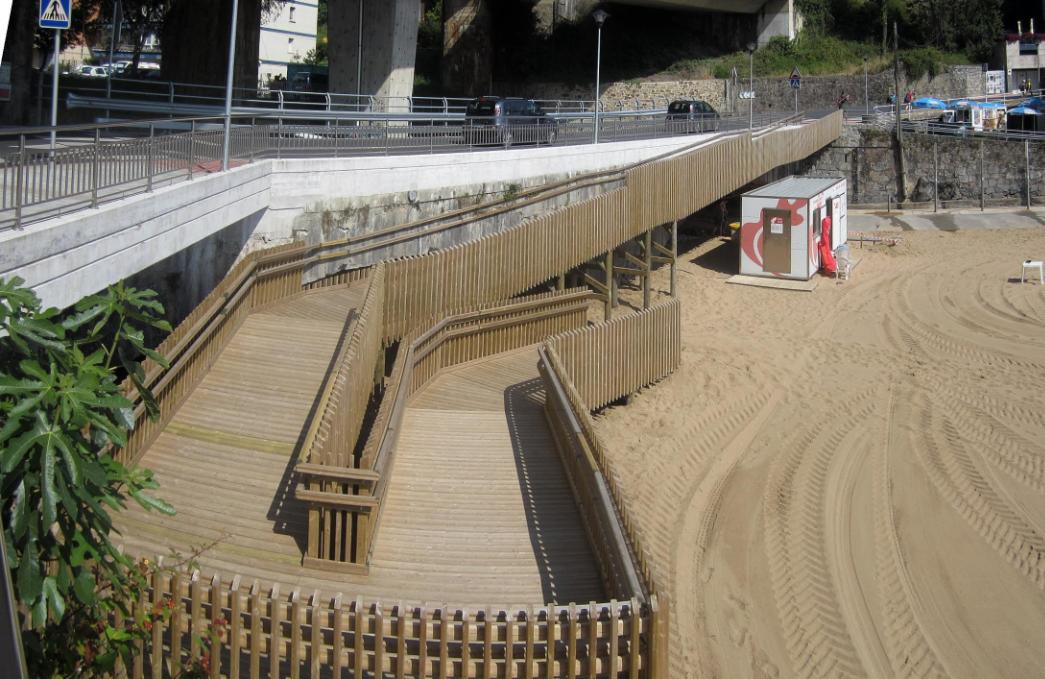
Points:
[[476, 475]]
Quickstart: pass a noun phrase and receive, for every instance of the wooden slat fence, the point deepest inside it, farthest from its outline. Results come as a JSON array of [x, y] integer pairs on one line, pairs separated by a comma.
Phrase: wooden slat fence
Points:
[[615, 358], [497, 266], [268, 632]]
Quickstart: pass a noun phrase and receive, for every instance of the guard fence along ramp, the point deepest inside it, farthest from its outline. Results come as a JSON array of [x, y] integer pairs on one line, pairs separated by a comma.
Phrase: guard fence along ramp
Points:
[[445, 308], [94, 164]]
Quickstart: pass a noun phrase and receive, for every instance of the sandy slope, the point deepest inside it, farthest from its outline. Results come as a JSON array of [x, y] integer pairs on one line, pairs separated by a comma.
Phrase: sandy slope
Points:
[[851, 482]]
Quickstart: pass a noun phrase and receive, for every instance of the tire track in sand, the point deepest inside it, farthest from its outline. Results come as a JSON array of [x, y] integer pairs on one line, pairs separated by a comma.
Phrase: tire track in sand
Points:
[[910, 652], [956, 478], [815, 631]]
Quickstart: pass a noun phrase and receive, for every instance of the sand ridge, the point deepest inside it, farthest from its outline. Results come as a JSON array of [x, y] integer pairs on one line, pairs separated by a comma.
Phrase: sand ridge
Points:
[[850, 482]]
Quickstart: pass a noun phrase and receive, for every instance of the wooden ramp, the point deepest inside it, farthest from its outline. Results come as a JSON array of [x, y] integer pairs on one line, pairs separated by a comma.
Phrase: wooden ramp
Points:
[[224, 459], [478, 511]]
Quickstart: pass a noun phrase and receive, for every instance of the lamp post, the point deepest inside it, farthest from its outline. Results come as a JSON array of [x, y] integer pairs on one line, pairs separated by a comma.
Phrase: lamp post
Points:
[[600, 17], [867, 102], [751, 85], [228, 88]]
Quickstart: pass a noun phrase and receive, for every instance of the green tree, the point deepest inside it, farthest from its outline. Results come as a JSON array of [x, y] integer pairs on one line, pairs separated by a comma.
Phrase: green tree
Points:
[[64, 414]]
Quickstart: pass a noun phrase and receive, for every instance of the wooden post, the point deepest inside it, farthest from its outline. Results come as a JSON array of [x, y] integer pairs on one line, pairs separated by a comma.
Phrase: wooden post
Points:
[[1026, 162], [609, 285], [936, 176], [981, 176], [675, 254], [647, 247], [560, 282]]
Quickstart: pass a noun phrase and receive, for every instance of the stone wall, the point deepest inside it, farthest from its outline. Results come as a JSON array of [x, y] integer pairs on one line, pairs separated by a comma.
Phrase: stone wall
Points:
[[867, 158], [774, 94]]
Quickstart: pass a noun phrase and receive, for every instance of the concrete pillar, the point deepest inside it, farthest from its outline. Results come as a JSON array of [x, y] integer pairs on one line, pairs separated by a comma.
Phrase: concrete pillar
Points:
[[778, 18], [467, 63], [389, 45]]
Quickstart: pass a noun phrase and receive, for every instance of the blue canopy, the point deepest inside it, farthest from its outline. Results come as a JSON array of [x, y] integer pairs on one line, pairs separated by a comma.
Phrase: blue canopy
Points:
[[1034, 102], [993, 104], [955, 103], [929, 102], [1024, 111]]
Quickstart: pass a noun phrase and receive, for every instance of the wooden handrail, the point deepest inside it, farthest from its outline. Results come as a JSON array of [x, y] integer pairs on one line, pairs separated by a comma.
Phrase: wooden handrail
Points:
[[624, 553], [362, 503], [322, 472]]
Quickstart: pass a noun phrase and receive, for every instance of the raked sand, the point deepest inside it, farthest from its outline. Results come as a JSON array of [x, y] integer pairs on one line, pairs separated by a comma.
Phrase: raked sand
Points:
[[850, 482]]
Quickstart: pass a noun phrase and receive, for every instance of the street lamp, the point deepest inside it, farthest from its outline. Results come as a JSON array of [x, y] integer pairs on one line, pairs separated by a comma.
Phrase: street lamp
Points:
[[751, 85], [600, 17], [867, 102], [228, 88]]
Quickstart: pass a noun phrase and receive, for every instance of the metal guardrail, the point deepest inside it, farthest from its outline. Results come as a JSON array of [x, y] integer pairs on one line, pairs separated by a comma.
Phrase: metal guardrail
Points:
[[888, 122], [162, 97], [93, 164]]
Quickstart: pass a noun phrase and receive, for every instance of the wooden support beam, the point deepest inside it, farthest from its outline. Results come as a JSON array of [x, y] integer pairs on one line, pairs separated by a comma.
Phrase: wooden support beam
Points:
[[597, 285], [628, 271], [611, 296], [668, 254], [560, 282], [647, 250], [674, 254], [662, 260], [641, 263]]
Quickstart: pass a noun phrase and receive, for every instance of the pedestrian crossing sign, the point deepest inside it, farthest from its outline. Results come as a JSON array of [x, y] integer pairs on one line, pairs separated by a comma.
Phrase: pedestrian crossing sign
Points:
[[54, 13]]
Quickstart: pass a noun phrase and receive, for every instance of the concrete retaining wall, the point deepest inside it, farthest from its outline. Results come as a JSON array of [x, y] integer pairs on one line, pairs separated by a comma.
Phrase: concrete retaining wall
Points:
[[67, 258]]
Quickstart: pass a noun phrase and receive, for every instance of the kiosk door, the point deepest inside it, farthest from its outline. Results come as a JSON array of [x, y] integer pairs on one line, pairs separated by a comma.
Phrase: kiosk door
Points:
[[776, 241]]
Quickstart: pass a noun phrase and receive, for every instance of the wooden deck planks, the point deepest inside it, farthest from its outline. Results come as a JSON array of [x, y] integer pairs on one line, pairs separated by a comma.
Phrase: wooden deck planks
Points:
[[478, 495]]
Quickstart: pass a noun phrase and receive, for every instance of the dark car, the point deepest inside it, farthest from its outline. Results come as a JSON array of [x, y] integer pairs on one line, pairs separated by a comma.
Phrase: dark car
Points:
[[692, 115], [506, 121]]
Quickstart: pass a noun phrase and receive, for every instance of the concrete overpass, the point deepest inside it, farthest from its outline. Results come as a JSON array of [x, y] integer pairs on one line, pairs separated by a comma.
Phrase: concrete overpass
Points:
[[385, 33]]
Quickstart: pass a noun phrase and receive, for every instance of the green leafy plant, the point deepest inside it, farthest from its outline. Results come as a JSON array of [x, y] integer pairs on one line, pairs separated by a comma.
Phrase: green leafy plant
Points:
[[64, 414]]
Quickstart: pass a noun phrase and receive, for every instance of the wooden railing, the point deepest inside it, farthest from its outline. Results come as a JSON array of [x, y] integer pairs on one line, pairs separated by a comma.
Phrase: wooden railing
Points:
[[257, 631], [615, 358], [327, 467], [636, 346]]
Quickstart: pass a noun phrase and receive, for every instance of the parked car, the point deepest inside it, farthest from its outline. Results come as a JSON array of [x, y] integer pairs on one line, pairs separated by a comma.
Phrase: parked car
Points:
[[506, 121], [692, 115], [93, 71]]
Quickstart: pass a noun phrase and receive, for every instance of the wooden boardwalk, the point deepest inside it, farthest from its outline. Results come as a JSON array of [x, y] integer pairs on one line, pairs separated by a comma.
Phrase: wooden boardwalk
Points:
[[478, 510]]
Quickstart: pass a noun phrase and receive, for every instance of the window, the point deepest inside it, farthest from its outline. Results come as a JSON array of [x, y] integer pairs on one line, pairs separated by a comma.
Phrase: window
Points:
[[290, 46], [1027, 47], [292, 15]]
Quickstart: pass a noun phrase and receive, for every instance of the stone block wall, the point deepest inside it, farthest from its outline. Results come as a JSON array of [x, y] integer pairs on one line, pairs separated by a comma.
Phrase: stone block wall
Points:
[[867, 158], [774, 94]]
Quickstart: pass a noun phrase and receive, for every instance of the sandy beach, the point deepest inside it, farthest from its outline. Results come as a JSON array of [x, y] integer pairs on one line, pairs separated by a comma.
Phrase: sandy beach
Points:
[[850, 482]]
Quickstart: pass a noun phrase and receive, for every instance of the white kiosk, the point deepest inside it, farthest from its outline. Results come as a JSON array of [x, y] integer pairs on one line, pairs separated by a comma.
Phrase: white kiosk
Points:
[[781, 226]]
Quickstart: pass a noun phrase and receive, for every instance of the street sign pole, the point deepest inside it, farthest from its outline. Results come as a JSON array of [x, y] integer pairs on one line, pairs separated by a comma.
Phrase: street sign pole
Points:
[[55, 14], [54, 86]]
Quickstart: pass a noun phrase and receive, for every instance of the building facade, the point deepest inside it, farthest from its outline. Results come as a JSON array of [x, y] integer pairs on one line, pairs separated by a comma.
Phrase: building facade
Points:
[[288, 34], [1022, 55]]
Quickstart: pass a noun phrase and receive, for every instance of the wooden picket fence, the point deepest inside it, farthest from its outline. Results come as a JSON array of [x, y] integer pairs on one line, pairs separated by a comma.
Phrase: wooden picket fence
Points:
[[236, 629], [617, 357]]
